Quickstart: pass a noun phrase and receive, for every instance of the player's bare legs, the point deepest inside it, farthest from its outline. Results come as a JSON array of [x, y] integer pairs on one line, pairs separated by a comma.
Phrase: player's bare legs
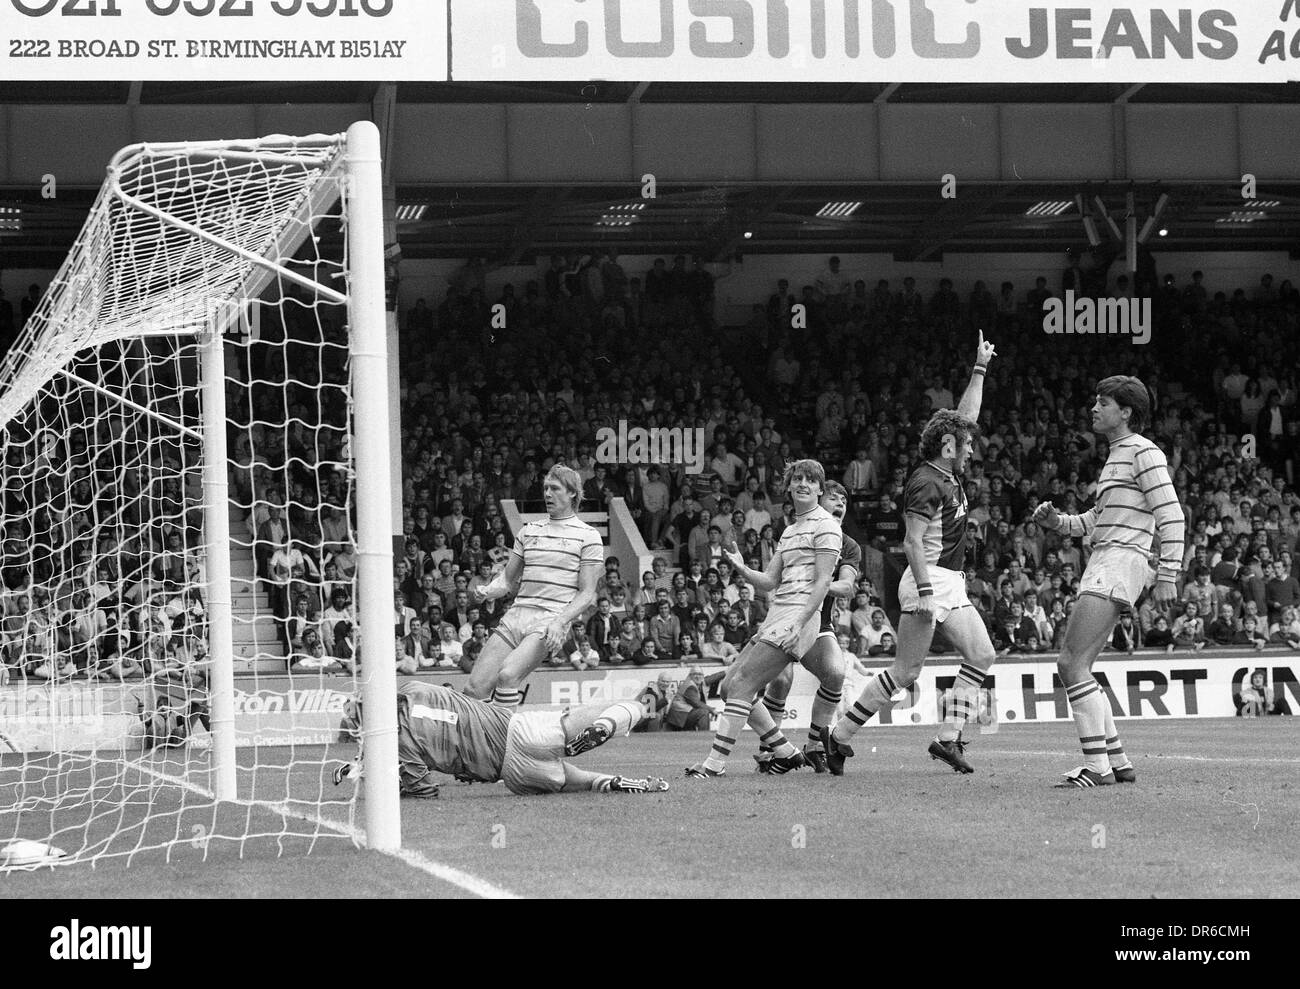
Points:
[[1090, 625], [582, 780], [826, 662], [759, 663], [592, 725], [487, 668], [914, 637], [966, 630], [522, 660], [767, 715]]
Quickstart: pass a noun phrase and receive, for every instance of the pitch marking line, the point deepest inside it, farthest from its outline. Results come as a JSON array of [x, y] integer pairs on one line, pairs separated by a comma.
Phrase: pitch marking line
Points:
[[1065, 754], [470, 883]]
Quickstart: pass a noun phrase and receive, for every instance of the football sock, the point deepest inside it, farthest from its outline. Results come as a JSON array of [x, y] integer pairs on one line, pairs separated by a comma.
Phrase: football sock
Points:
[[823, 711], [1089, 706], [776, 708], [502, 697], [730, 723], [601, 784], [962, 702], [770, 738], [1114, 747], [875, 696], [621, 717]]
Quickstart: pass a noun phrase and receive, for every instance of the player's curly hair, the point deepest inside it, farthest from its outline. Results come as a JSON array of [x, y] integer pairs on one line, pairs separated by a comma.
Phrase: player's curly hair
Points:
[[945, 422], [1129, 393]]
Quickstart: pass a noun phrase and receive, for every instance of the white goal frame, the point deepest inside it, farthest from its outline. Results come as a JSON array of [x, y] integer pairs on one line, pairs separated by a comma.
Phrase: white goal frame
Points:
[[355, 175]]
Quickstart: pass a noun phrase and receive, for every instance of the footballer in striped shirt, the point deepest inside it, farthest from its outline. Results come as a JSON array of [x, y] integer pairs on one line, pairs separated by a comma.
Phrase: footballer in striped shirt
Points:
[[552, 571], [1136, 519], [801, 572]]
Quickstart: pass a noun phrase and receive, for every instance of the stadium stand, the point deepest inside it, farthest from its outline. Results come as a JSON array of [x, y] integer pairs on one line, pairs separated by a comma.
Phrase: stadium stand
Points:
[[486, 412]]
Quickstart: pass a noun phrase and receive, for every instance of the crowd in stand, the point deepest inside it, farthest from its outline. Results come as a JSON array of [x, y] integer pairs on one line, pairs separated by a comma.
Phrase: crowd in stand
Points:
[[849, 379], [826, 367]]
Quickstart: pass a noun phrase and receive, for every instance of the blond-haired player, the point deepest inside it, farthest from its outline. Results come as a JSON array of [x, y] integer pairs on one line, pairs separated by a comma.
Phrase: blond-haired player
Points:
[[553, 569]]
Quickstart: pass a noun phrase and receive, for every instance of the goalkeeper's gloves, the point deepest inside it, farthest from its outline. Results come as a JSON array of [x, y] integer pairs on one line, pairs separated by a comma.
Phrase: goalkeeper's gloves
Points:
[[347, 771]]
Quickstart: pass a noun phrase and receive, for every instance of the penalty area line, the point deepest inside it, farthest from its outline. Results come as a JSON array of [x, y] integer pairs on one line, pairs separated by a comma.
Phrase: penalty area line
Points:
[[448, 874]]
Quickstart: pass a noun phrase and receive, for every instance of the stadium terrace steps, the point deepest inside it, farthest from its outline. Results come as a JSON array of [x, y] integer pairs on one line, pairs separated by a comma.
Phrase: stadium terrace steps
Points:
[[255, 638]]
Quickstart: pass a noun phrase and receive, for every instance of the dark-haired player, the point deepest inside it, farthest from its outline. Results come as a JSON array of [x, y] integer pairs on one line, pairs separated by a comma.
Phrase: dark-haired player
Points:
[[824, 660], [933, 588], [801, 571], [442, 730], [1135, 504]]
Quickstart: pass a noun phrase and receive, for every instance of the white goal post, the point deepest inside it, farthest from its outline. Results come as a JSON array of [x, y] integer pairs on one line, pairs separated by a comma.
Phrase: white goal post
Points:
[[221, 293]]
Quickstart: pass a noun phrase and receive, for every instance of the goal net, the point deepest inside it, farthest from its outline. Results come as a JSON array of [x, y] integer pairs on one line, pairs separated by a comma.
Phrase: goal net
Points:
[[195, 517]]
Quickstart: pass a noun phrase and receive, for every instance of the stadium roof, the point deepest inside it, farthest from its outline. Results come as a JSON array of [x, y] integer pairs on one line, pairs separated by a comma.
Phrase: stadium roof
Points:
[[513, 221]]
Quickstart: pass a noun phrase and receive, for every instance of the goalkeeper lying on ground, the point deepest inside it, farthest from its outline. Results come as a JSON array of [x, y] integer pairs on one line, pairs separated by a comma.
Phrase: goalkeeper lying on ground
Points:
[[440, 729]]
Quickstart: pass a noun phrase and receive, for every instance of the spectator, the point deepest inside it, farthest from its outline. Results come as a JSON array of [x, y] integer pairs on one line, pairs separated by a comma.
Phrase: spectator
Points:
[[688, 710], [1223, 630], [1286, 630], [629, 642], [1258, 699], [603, 629], [718, 649], [406, 665], [1189, 629], [1127, 636], [583, 656], [655, 699], [1251, 634], [648, 653]]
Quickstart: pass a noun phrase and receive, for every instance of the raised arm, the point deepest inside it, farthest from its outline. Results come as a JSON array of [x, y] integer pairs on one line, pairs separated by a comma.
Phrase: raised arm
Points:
[[973, 396]]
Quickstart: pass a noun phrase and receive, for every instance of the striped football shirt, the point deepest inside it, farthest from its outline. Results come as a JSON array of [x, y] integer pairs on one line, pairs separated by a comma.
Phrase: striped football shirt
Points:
[[1136, 507], [554, 551], [813, 532]]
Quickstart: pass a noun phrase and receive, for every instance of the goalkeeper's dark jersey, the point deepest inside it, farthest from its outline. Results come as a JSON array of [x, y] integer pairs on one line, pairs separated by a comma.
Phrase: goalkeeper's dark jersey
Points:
[[441, 729], [850, 556]]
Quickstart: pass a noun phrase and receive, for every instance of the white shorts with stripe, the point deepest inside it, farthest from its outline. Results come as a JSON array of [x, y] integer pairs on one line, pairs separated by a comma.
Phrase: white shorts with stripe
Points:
[[949, 592], [518, 623], [778, 630], [1117, 574], [533, 762]]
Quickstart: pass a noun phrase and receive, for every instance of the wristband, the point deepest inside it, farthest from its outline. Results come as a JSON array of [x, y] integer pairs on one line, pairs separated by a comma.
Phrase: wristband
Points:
[[924, 590], [980, 369]]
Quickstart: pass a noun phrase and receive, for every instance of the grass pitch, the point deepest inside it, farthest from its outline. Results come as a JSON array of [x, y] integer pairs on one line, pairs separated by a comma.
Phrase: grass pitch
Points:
[[1211, 795]]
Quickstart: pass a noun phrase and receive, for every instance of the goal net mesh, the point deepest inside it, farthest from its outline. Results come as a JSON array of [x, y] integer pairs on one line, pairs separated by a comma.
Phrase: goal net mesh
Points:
[[108, 543]]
